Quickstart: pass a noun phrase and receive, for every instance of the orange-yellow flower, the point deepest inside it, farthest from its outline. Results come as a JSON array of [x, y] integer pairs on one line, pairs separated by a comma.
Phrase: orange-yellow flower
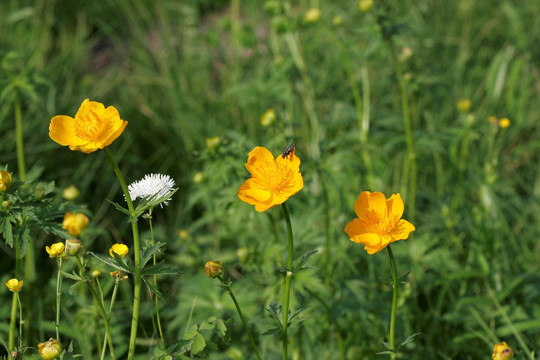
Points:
[[379, 221], [55, 250], [75, 223], [50, 349], [272, 181], [118, 249], [502, 352], [93, 127], [14, 285]]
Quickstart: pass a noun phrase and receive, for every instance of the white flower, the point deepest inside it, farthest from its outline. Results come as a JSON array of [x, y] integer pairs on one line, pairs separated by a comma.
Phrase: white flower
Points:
[[153, 186]]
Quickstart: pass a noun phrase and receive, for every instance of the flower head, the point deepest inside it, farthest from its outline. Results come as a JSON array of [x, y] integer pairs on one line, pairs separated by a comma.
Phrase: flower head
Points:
[[55, 250], [272, 181], [70, 193], [75, 223], [312, 15], [153, 186], [14, 285], [5, 180], [365, 5], [50, 349], [93, 127], [502, 352], [119, 249], [504, 123], [464, 105], [379, 221], [213, 269]]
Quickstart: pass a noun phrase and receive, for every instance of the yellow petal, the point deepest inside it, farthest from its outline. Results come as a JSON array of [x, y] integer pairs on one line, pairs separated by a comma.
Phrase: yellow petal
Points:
[[371, 206], [260, 162], [90, 106], [115, 134], [251, 194], [395, 206], [402, 230], [62, 130], [293, 164]]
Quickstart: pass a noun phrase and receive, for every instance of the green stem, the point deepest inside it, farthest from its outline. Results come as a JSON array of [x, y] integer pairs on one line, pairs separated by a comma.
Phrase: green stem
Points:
[[155, 282], [101, 309], [12, 322], [113, 299], [137, 258], [20, 322], [19, 136], [58, 297], [394, 303], [244, 323], [287, 279]]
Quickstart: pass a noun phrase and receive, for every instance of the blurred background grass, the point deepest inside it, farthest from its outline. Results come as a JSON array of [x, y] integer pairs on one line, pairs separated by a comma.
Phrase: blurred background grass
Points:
[[183, 71]]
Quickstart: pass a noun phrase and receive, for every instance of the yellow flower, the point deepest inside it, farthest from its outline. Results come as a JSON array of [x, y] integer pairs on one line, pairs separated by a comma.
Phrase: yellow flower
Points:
[[379, 221], [464, 105], [119, 249], [268, 117], [93, 128], [504, 123], [55, 249], [96, 273], [50, 349], [502, 352], [14, 285], [213, 142], [272, 181], [70, 193], [312, 15], [5, 180], [75, 223], [365, 5], [213, 269], [198, 177]]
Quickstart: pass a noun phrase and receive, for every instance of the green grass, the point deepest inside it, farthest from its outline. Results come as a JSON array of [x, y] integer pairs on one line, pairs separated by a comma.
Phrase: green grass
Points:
[[183, 71]]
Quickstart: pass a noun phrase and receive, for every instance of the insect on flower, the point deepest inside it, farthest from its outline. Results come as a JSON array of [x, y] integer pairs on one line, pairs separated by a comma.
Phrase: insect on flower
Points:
[[288, 150]]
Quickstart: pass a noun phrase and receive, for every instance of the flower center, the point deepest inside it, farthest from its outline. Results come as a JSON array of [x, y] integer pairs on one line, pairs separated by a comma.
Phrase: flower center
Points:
[[89, 126], [276, 178], [380, 225]]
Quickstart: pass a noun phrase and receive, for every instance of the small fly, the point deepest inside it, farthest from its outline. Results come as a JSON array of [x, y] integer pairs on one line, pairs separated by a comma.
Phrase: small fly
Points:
[[289, 149]]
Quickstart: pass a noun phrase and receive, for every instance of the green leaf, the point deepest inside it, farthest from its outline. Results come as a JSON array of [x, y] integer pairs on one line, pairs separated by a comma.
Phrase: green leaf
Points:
[[221, 328], [72, 276], [159, 269], [153, 288], [198, 344], [206, 325], [147, 252], [191, 333], [117, 263]]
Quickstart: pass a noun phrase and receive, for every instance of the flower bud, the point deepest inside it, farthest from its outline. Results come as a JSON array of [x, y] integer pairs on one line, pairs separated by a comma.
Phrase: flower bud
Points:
[[6, 204], [268, 117], [115, 274], [73, 247], [312, 15], [118, 249], [198, 177], [70, 193], [75, 223], [504, 123], [96, 273], [50, 349], [5, 180], [55, 250], [14, 285], [464, 105], [365, 5], [212, 143], [213, 269]]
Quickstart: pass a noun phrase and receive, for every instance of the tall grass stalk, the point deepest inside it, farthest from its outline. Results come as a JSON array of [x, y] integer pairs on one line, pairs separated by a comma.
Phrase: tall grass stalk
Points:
[[288, 277], [58, 297]]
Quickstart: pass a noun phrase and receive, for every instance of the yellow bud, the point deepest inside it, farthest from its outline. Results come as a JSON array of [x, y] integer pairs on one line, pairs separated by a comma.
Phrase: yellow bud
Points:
[[312, 15], [5, 180], [212, 143], [50, 349], [96, 273], [14, 285], [183, 234], [502, 352], [198, 177], [118, 249], [6, 204], [70, 193], [337, 20], [464, 105], [213, 269], [55, 250], [365, 5], [73, 247], [268, 117], [75, 223], [406, 54], [504, 123]]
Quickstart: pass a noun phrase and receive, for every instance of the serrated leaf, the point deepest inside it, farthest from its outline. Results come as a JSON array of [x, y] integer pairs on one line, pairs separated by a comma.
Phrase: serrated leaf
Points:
[[72, 276], [198, 344], [120, 208], [160, 268], [153, 288], [147, 252], [117, 263]]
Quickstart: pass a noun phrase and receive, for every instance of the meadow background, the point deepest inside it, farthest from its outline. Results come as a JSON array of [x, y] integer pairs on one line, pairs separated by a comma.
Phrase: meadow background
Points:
[[182, 72]]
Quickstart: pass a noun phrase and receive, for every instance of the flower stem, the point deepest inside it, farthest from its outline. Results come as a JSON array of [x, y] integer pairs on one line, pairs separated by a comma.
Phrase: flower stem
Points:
[[229, 290], [394, 303], [137, 258], [58, 297], [155, 282], [19, 136], [287, 279], [20, 322], [11, 341], [113, 299]]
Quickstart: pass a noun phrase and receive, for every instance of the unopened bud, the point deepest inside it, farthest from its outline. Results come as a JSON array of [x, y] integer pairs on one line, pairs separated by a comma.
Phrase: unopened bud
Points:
[[73, 247], [96, 273], [213, 269], [6, 204], [70, 193], [39, 191]]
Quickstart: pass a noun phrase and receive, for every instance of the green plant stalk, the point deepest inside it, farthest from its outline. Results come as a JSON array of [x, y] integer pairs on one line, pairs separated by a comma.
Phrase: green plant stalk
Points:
[[155, 282], [287, 279], [58, 297], [394, 304], [12, 322], [19, 137], [113, 299], [100, 306], [20, 322], [137, 258], [244, 323]]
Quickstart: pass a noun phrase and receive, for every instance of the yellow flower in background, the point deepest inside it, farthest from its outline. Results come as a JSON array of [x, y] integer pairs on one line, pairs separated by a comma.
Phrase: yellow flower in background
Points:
[[96, 273], [50, 349], [379, 221], [504, 123], [93, 127], [70, 193], [5, 180], [119, 249], [75, 223], [55, 249], [213, 142], [365, 5], [464, 105], [502, 352], [272, 181], [268, 117], [312, 15], [14, 285], [493, 120]]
